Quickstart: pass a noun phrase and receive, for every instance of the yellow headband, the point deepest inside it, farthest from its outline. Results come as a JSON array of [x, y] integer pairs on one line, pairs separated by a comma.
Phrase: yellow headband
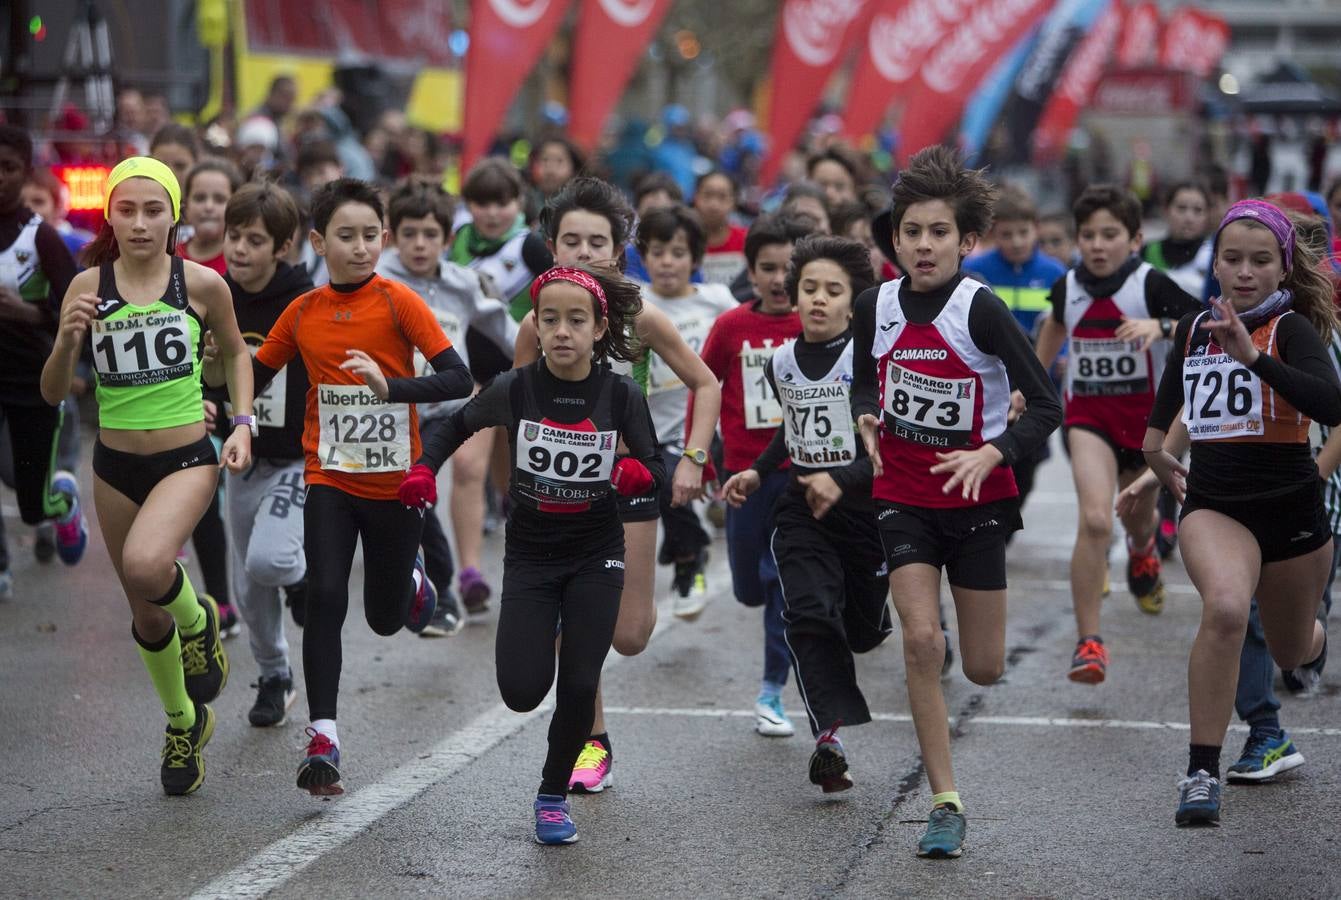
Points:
[[144, 167]]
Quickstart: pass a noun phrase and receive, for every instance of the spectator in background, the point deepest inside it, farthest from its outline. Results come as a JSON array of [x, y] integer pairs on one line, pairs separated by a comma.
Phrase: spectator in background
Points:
[[279, 100], [45, 195], [715, 202], [676, 154], [257, 145], [177, 148], [157, 113], [837, 172], [553, 162], [128, 128]]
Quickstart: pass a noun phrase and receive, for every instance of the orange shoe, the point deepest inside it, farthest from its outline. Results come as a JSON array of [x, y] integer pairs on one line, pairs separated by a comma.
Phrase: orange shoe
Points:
[[1090, 663]]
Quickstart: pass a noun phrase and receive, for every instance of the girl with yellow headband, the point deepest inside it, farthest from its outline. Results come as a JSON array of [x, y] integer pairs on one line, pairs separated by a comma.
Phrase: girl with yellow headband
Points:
[[145, 312]]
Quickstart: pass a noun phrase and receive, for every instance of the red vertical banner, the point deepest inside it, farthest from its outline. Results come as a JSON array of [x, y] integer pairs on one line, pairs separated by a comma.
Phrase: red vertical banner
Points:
[[507, 38], [1075, 90], [901, 34], [1194, 41], [1139, 44], [956, 66], [611, 36], [812, 37]]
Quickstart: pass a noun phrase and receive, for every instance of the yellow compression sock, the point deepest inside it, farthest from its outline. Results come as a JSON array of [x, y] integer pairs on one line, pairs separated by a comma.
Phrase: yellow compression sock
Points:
[[181, 603], [948, 798], [163, 659]]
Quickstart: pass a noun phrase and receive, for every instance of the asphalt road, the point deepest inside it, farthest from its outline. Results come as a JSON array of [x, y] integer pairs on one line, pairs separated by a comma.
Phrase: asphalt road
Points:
[[1070, 789]]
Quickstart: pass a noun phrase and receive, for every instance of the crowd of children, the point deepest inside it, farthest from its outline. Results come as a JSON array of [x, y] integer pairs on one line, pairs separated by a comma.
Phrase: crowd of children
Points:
[[870, 395]]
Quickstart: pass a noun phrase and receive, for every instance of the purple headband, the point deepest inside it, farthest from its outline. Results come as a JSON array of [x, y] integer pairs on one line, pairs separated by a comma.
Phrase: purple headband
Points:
[[1266, 214]]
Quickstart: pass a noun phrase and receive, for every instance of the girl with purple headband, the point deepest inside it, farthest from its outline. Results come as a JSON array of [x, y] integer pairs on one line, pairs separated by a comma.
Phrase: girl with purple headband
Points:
[[563, 560], [1249, 375]]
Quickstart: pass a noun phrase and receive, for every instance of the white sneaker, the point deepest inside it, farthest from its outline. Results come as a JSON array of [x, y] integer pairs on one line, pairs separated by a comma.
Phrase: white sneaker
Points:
[[689, 589], [770, 720]]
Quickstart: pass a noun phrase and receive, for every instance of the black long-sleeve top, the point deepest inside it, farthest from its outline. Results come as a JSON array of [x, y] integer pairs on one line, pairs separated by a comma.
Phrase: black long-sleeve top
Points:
[[1246, 470], [603, 401], [816, 360], [994, 330]]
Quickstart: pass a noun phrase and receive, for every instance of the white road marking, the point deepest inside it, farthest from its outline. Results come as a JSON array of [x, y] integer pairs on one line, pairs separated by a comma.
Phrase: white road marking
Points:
[[343, 820], [1014, 721]]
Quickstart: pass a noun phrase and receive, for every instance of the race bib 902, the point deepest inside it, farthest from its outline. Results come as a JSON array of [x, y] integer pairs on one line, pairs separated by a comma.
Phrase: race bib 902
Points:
[[361, 434], [559, 464]]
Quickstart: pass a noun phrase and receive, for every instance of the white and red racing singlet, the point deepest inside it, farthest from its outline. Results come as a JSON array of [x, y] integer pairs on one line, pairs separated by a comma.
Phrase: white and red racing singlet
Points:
[[1110, 384], [939, 392]]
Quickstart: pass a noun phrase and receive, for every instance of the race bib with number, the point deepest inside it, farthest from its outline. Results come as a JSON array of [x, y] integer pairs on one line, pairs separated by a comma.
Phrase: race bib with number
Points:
[[1221, 398], [660, 376], [762, 409], [451, 326], [556, 464], [1108, 367], [818, 424], [361, 434], [924, 409], [141, 350]]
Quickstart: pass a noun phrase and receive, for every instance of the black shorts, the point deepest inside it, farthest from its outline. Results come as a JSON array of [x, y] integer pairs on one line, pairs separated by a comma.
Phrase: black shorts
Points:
[[968, 542], [135, 475], [1293, 524], [1128, 459]]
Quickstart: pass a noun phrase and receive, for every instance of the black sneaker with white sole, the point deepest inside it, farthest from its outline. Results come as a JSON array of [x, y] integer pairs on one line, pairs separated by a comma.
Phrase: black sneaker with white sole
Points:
[[274, 696]]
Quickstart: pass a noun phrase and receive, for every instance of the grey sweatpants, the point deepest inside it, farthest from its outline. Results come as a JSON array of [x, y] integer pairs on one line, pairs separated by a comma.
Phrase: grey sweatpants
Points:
[[265, 523]]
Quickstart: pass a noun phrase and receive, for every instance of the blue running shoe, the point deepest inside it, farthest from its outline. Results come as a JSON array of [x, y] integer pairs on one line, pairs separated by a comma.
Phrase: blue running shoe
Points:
[[319, 773], [553, 825], [71, 529], [1198, 800], [944, 837], [1266, 754], [425, 600]]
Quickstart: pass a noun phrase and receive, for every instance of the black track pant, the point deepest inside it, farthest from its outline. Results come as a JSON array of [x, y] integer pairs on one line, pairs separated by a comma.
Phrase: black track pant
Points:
[[835, 593], [210, 542], [578, 594], [333, 522]]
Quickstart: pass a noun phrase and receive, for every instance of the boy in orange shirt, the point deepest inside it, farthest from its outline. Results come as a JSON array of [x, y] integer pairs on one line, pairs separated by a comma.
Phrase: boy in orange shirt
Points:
[[360, 435]]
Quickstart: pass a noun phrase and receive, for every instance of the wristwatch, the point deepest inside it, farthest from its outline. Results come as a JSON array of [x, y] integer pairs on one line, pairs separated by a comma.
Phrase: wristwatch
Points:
[[249, 421], [696, 456]]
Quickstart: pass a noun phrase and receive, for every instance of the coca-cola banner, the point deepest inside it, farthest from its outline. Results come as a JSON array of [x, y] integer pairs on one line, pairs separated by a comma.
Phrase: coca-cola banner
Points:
[[955, 67], [901, 34], [611, 37], [1062, 34], [811, 40], [507, 38], [1194, 41], [1076, 88], [1140, 37]]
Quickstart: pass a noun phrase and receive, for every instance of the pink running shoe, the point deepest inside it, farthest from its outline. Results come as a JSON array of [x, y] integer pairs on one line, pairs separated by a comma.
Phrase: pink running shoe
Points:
[[591, 773]]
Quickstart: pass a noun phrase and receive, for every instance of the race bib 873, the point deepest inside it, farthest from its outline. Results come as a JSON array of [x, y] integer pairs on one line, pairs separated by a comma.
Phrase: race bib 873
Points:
[[924, 409]]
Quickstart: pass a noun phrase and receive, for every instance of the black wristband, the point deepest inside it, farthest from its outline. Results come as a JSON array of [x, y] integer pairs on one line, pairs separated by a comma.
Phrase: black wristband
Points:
[[1166, 327]]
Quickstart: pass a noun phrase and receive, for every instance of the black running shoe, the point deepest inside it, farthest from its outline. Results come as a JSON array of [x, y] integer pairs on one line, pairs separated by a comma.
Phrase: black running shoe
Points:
[[183, 766], [203, 659], [1166, 534], [319, 773], [44, 542], [274, 696], [295, 598]]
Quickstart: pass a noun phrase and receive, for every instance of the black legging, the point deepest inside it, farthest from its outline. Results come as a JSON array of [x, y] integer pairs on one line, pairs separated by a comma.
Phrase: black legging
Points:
[[210, 542], [539, 593], [333, 522]]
